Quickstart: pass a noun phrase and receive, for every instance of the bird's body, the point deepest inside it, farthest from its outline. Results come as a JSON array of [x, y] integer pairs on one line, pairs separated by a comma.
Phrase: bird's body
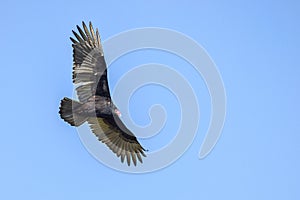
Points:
[[94, 104]]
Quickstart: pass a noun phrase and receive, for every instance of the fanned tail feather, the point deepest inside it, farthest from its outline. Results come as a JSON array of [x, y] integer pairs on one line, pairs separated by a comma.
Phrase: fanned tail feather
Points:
[[67, 112]]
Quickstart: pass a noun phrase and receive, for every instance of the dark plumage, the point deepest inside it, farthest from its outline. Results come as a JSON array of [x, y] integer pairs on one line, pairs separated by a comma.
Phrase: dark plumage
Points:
[[95, 105]]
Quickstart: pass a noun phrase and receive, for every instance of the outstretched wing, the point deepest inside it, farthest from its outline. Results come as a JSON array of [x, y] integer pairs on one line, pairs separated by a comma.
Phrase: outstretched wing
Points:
[[118, 138], [90, 77], [89, 67]]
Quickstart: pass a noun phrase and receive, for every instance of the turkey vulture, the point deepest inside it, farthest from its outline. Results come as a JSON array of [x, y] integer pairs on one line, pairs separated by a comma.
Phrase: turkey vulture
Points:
[[94, 104]]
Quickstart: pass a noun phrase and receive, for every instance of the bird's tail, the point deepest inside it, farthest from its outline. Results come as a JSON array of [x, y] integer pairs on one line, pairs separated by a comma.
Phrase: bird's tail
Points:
[[67, 111]]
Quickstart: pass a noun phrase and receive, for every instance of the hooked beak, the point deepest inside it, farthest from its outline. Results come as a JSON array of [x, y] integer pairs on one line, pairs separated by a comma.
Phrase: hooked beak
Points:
[[118, 113]]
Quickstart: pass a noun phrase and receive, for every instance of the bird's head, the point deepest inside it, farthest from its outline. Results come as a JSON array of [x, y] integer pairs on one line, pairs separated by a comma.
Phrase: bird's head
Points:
[[118, 112], [115, 110]]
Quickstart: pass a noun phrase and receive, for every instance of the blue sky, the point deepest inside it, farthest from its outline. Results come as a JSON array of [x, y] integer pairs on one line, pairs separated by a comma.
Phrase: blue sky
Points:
[[256, 47]]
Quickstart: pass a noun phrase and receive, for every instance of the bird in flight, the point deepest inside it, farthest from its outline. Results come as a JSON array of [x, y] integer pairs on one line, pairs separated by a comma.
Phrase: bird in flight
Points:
[[94, 104]]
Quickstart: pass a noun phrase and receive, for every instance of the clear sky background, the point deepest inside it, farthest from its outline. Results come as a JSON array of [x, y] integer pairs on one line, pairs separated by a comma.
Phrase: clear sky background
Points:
[[256, 47]]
